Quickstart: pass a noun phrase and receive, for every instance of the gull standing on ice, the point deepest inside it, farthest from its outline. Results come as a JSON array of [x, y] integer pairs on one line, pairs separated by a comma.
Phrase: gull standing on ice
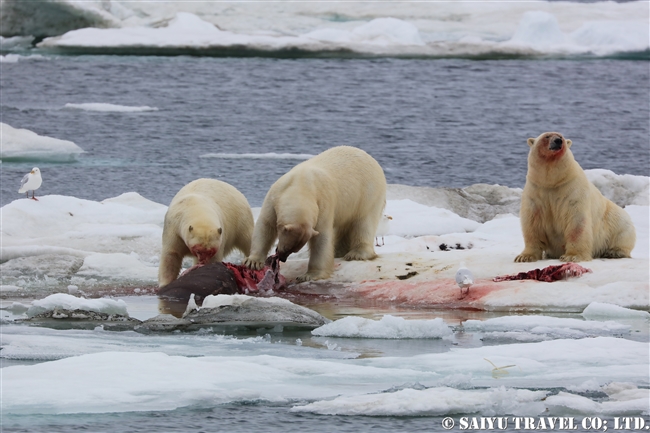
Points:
[[31, 182], [464, 278], [382, 229]]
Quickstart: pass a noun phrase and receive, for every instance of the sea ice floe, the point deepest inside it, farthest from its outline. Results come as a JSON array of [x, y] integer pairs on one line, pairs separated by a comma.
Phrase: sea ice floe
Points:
[[63, 240], [387, 327], [535, 327], [601, 310], [251, 311], [62, 237], [433, 402], [624, 190], [134, 381], [69, 302], [109, 108], [446, 29], [26, 145], [635, 403], [411, 219], [220, 310]]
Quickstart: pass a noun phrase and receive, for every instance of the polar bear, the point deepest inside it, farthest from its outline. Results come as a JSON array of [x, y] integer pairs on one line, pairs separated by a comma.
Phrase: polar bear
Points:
[[334, 201], [207, 218], [563, 215]]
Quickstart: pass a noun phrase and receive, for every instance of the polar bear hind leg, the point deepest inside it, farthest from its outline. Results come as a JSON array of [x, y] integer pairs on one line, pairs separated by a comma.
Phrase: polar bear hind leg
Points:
[[621, 247], [361, 239]]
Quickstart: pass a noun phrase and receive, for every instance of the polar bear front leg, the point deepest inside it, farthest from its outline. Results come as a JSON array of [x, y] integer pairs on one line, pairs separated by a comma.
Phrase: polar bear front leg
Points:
[[170, 266], [362, 240], [264, 234], [578, 240], [321, 257], [263, 237], [533, 243], [533, 231]]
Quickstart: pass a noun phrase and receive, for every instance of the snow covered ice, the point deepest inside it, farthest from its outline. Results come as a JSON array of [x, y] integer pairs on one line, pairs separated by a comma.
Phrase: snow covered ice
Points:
[[387, 327], [103, 107], [555, 364], [440, 30], [63, 240], [117, 240], [61, 300], [140, 381], [25, 145]]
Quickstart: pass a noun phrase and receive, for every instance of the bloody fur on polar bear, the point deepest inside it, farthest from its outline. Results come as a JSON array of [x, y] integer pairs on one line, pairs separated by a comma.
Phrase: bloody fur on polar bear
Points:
[[206, 219], [563, 215], [334, 201]]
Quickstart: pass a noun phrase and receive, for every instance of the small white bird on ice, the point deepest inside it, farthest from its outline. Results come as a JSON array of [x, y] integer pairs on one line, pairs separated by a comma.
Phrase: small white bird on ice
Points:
[[191, 305], [464, 278], [31, 182], [382, 229]]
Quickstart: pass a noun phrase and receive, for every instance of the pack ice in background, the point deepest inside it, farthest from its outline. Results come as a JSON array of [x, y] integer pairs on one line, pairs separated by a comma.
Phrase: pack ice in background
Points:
[[331, 29], [392, 344]]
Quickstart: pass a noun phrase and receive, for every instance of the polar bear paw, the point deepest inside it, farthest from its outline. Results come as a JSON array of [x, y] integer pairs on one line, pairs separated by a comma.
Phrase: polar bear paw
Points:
[[312, 276], [615, 254], [574, 258], [521, 258], [361, 254], [254, 263]]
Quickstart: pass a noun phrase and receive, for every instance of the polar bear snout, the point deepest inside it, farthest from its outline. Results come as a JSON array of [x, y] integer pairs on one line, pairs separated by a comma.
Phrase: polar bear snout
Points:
[[203, 254], [283, 256], [556, 143], [292, 238]]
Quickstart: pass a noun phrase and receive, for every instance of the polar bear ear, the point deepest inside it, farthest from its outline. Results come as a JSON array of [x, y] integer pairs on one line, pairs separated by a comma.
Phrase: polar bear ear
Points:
[[220, 230], [531, 142], [288, 227], [191, 228], [568, 144]]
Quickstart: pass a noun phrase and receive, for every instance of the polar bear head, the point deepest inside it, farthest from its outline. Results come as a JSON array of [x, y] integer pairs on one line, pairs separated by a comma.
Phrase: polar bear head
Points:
[[550, 162], [292, 237], [203, 239], [549, 145]]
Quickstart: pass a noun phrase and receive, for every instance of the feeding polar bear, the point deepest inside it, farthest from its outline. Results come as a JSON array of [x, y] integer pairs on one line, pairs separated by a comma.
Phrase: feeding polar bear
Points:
[[206, 219], [563, 215], [334, 201]]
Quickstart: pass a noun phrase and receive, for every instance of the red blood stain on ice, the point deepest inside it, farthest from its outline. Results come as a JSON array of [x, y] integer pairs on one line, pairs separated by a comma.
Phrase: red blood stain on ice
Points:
[[440, 293]]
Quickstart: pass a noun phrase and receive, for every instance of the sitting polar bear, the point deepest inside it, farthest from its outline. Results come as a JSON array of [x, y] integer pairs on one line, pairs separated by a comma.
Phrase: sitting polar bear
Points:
[[563, 215], [207, 218], [334, 201]]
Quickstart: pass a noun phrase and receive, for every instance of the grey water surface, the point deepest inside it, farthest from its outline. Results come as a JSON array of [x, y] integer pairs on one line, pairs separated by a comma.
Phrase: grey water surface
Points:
[[437, 123]]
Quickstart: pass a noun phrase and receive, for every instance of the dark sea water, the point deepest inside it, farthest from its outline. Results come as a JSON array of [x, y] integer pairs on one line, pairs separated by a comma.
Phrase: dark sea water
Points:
[[233, 418], [262, 417], [437, 123]]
